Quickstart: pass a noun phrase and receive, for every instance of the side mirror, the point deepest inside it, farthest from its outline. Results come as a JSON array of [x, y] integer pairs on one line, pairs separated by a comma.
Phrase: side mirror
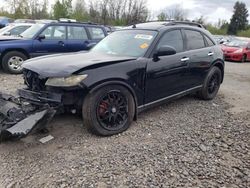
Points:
[[90, 45], [41, 37], [164, 51]]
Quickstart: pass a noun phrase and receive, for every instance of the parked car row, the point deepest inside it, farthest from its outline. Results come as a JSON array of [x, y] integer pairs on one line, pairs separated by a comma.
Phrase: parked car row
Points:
[[237, 50], [234, 48]]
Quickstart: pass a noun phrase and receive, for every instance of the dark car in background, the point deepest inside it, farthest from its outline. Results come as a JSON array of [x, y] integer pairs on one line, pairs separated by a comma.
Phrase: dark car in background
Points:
[[46, 39], [4, 21], [129, 71]]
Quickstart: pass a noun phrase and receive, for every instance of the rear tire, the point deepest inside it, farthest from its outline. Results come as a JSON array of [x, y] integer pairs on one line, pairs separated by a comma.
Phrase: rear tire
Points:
[[211, 84], [109, 110], [12, 61]]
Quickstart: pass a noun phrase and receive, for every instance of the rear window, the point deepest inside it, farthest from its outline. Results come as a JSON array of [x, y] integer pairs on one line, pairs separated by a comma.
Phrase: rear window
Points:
[[194, 40], [96, 33]]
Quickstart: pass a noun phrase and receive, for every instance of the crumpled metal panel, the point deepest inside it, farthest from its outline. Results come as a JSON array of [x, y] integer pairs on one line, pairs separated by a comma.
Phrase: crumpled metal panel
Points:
[[23, 127], [19, 117]]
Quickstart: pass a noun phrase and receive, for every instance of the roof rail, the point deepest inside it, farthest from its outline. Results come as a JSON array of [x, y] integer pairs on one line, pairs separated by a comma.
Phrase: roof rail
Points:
[[184, 23], [66, 20]]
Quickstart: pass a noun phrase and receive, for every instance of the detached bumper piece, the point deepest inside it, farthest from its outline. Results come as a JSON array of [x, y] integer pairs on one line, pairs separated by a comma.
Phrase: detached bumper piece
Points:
[[19, 116]]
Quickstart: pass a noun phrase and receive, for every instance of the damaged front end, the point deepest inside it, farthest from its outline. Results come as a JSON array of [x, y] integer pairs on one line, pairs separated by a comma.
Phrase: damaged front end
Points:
[[25, 113]]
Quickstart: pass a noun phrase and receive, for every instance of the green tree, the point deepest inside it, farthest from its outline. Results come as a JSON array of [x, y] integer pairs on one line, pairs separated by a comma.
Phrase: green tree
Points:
[[239, 20], [80, 11], [162, 16], [62, 9]]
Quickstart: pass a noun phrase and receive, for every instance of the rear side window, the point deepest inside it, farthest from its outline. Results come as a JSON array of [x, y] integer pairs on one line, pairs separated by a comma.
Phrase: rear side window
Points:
[[96, 33], [173, 39], [209, 41], [194, 40], [77, 33]]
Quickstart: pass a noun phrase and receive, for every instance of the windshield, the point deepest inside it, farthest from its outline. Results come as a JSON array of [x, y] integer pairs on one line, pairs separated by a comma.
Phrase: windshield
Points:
[[126, 43], [30, 33], [237, 43]]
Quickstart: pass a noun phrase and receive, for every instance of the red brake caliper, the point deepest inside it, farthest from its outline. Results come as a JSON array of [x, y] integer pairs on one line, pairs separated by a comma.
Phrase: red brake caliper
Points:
[[103, 107]]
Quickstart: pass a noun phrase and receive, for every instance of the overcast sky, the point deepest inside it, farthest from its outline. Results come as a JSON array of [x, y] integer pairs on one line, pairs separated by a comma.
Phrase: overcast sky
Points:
[[212, 10]]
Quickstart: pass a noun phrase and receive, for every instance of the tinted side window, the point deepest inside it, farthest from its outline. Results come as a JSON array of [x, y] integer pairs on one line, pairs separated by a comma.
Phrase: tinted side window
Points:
[[55, 32], [96, 33], [173, 39], [77, 33], [194, 40], [209, 41]]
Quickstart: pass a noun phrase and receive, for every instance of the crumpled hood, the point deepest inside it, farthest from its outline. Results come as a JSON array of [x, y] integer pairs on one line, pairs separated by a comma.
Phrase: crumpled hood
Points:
[[63, 65]]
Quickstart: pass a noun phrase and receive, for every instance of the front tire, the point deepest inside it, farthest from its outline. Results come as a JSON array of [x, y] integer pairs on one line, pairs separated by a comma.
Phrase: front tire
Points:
[[12, 62], [244, 58], [109, 110], [211, 84]]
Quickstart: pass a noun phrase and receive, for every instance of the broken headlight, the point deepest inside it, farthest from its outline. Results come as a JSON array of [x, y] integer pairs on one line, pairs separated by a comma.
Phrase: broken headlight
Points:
[[66, 81]]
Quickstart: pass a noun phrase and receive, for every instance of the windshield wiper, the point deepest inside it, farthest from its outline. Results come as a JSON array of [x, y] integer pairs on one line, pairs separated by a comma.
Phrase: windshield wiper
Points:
[[20, 35]]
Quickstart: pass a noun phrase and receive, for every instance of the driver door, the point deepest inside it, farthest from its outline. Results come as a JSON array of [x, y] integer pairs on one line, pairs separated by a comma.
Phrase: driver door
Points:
[[168, 76], [54, 42]]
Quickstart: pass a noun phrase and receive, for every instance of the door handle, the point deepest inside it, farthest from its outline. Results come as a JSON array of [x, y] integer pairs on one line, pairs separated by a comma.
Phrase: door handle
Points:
[[184, 59], [61, 43], [210, 54]]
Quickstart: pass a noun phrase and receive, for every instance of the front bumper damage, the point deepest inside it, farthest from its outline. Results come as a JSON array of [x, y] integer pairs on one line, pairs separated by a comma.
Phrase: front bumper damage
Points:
[[29, 111]]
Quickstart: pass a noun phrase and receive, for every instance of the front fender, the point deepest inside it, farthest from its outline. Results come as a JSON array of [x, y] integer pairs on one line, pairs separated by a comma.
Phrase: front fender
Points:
[[97, 86]]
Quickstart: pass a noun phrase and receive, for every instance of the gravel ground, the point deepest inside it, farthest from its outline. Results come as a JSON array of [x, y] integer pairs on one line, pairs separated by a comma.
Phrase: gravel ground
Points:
[[186, 143]]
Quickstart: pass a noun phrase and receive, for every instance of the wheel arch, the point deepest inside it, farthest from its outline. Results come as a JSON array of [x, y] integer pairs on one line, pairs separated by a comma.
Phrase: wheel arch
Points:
[[15, 49], [97, 86], [220, 65]]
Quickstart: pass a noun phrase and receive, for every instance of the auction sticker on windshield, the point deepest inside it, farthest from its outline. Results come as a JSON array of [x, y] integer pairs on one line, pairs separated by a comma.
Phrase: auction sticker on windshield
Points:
[[142, 36], [144, 46]]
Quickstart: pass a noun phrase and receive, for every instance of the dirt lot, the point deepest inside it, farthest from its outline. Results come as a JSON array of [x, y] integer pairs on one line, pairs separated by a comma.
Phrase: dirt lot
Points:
[[187, 143]]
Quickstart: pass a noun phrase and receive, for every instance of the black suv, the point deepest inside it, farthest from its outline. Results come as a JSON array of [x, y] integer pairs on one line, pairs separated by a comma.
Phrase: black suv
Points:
[[127, 72], [46, 39]]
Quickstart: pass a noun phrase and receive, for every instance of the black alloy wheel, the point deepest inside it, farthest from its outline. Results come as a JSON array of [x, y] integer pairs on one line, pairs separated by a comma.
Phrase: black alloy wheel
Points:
[[112, 110], [211, 84], [108, 110]]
